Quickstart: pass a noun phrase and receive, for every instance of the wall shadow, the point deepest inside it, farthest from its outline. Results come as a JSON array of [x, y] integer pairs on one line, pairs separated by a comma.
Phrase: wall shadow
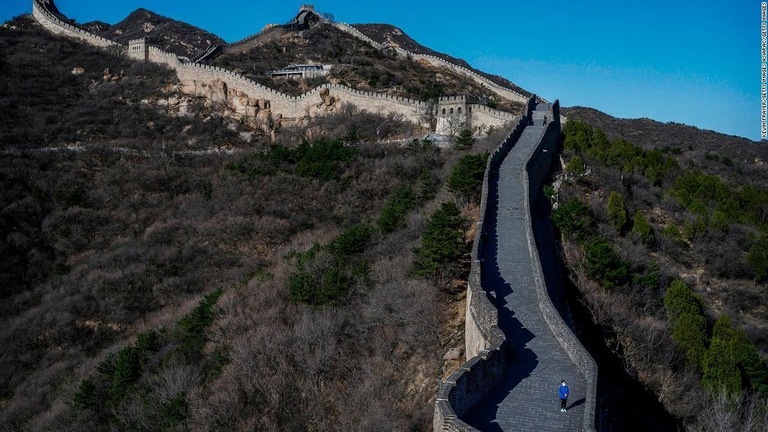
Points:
[[524, 361], [549, 257]]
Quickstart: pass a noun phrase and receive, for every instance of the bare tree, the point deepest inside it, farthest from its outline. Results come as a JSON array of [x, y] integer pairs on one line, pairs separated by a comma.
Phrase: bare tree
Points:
[[733, 412], [454, 123], [428, 114]]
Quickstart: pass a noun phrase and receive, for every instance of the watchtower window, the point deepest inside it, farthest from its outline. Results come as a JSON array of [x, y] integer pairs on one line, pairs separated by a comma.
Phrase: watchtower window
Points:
[[451, 111], [459, 110], [443, 111]]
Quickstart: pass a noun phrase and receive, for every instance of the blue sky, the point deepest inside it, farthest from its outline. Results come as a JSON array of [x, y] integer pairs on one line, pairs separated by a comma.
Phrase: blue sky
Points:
[[693, 62]]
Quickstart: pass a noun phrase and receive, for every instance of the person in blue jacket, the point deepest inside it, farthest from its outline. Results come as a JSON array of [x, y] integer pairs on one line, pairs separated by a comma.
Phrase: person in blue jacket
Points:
[[563, 393]]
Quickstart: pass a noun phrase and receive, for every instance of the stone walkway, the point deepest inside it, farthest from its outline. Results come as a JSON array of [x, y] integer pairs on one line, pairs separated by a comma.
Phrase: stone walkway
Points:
[[527, 398]]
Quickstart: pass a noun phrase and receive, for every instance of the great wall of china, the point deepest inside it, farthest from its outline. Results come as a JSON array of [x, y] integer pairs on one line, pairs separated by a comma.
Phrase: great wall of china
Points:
[[200, 79], [501, 354], [491, 351]]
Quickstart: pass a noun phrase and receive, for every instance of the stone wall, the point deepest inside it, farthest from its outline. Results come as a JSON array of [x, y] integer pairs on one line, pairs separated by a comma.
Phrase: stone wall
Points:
[[469, 385], [322, 99], [156, 55], [485, 345], [537, 170], [311, 103], [437, 61], [482, 325], [483, 117], [487, 350], [57, 26], [198, 79], [459, 112]]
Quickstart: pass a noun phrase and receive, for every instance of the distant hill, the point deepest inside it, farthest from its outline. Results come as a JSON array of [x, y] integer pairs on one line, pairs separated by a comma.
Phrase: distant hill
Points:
[[389, 34], [711, 151], [170, 35], [96, 27]]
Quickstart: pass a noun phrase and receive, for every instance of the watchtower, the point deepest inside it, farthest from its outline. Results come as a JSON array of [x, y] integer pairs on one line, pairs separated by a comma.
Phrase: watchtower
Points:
[[138, 49], [453, 115]]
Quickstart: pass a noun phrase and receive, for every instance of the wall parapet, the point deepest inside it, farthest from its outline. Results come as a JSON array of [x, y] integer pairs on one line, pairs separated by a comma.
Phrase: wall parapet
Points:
[[57, 26], [537, 167], [487, 350], [485, 109], [486, 347]]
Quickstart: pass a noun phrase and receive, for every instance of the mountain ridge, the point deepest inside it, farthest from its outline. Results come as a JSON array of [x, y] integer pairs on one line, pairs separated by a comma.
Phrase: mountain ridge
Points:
[[391, 34], [685, 143], [170, 35], [186, 40]]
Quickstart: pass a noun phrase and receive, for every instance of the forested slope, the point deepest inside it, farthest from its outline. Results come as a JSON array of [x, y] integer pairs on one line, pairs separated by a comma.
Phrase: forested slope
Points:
[[666, 234]]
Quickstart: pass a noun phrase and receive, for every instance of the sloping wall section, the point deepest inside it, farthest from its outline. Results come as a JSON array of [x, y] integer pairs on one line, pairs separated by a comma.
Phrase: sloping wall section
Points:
[[57, 26], [488, 353], [199, 79]]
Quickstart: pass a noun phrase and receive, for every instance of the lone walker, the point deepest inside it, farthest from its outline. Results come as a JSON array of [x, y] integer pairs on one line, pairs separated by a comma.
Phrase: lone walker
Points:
[[563, 393]]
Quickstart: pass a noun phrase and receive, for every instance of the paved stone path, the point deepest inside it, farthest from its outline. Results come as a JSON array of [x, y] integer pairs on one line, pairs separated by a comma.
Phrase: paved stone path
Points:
[[527, 398]]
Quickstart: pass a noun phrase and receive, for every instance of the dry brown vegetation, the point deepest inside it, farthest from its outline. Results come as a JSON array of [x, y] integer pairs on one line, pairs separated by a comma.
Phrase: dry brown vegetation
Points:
[[389, 34], [122, 235]]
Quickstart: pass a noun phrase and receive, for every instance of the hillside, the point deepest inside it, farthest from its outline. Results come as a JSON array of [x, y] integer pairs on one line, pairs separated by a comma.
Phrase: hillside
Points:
[[353, 63], [168, 34], [662, 218], [391, 35], [737, 159], [164, 266]]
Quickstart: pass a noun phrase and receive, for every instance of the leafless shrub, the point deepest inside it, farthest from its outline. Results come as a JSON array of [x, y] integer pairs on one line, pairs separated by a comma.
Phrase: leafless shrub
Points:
[[726, 413]]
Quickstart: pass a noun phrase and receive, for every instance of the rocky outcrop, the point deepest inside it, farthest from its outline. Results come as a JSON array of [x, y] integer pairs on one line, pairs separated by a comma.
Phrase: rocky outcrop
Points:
[[328, 101], [255, 113], [108, 75]]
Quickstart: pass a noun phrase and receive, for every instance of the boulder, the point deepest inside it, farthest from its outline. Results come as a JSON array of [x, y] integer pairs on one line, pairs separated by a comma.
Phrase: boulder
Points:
[[264, 120], [251, 111], [453, 354], [78, 71], [327, 99], [217, 91], [239, 103]]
